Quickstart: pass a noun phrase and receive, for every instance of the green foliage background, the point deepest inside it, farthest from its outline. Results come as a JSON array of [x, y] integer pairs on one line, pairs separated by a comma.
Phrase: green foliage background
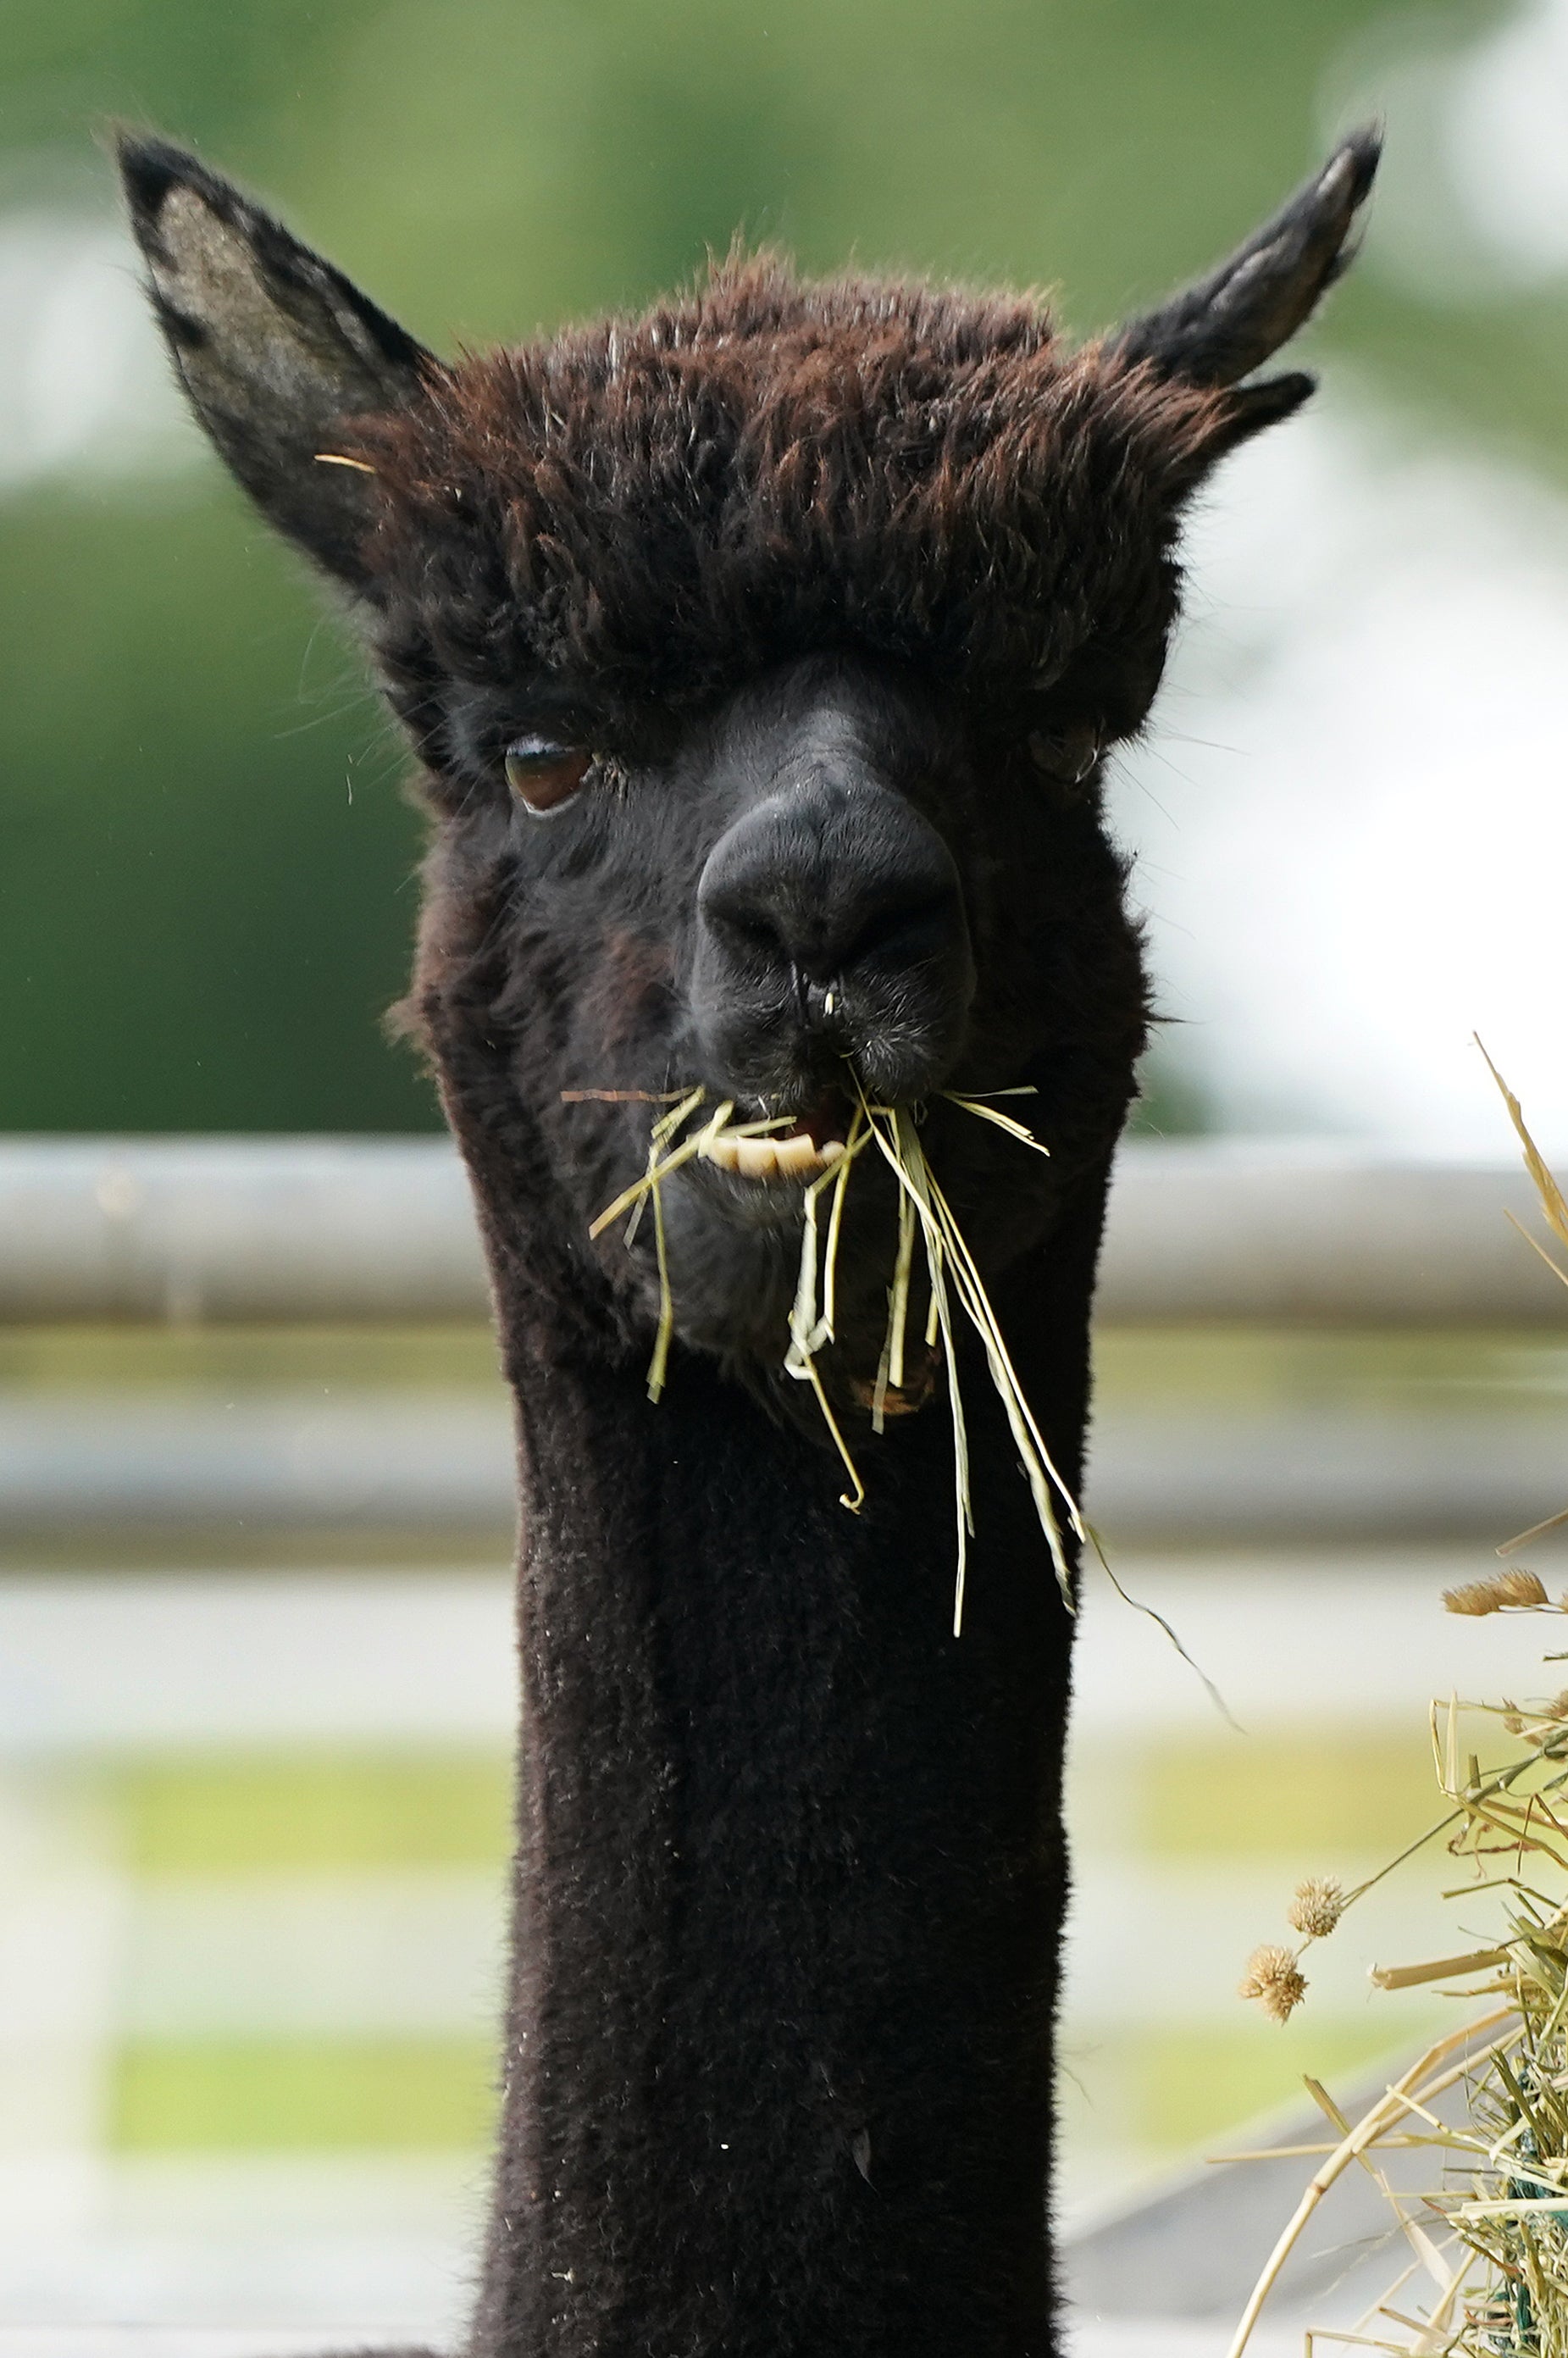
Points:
[[205, 867]]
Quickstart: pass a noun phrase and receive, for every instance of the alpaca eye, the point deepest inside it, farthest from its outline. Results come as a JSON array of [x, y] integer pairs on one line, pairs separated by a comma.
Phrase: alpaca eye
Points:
[[544, 777], [1069, 754]]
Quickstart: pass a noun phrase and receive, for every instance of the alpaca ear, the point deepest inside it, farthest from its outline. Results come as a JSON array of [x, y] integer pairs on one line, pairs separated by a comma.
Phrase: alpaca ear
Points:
[[276, 349], [1216, 331]]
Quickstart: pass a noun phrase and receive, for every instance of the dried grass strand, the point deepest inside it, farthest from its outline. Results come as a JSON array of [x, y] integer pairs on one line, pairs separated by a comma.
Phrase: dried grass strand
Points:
[[1349, 2149], [948, 1256], [953, 1274], [1552, 1205]]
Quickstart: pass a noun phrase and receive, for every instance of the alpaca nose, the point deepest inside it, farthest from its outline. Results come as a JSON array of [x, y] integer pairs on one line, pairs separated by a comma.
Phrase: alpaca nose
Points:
[[831, 928]]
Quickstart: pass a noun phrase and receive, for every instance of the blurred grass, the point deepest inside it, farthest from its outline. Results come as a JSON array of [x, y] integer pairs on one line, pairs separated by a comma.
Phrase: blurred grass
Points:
[[1230, 1368], [314, 1812], [1320, 1792], [1209, 1367], [1187, 2090], [1175, 2090], [301, 2096], [364, 1358], [207, 1821]]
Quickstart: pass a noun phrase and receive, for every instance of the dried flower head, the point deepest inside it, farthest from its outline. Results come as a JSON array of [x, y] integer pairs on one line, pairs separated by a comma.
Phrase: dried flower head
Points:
[[1505, 1592], [1317, 1907], [1274, 1979], [1541, 1723]]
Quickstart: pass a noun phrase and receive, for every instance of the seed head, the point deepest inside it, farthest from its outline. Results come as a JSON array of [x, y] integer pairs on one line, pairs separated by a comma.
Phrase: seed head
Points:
[[1505, 1592], [1274, 1979], [1543, 1723], [1318, 1905]]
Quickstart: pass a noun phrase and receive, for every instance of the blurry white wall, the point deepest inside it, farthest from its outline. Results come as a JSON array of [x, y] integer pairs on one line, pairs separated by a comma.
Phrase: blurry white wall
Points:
[[1351, 816]]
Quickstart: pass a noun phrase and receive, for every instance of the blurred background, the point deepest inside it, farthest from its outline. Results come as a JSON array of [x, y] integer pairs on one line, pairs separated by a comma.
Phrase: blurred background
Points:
[[252, 1759]]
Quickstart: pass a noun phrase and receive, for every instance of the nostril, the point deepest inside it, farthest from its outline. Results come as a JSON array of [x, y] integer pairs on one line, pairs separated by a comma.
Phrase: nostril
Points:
[[745, 921], [755, 933], [818, 940], [818, 944], [830, 927], [902, 931], [826, 923]]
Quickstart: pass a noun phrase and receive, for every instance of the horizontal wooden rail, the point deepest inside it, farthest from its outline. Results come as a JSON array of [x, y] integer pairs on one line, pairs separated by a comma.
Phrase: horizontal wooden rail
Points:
[[291, 1230], [424, 1462]]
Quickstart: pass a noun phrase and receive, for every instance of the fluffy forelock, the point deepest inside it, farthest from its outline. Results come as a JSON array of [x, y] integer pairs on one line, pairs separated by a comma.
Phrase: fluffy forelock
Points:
[[648, 512]]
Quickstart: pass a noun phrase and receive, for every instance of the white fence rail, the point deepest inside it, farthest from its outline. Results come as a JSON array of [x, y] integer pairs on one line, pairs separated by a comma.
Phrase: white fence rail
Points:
[[334, 1230]]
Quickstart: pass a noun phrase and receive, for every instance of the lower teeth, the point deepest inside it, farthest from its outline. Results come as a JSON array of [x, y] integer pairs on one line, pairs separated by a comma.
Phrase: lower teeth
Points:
[[773, 1158]]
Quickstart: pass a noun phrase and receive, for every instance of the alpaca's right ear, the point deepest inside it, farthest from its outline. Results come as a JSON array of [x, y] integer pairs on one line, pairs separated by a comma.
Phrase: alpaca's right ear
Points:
[[274, 348]]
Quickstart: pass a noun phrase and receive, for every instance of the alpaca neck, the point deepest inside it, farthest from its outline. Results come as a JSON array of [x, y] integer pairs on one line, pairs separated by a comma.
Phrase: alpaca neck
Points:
[[790, 1879]]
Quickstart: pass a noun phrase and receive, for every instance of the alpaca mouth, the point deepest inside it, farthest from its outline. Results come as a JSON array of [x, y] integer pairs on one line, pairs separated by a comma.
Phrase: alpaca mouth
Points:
[[795, 1156], [812, 1144]]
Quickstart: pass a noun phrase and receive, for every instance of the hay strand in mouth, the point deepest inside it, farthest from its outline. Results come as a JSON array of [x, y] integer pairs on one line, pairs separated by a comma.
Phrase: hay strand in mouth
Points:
[[903, 1153], [954, 1280], [811, 1321], [854, 1498], [665, 1128], [668, 1124], [627, 1097], [952, 1270], [660, 1168], [661, 1359], [897, 1307], [1044, 1481], [802, 1314], [890, 1368], [1002, 1121], [665, 1159], [852, 1145], [811, 1326]]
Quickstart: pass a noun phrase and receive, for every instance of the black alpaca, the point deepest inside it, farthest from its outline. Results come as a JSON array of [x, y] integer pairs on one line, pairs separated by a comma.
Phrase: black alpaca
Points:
[[761, 657]]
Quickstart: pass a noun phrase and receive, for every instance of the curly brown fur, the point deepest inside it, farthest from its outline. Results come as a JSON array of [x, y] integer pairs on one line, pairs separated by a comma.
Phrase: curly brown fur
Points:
[[653, 511]]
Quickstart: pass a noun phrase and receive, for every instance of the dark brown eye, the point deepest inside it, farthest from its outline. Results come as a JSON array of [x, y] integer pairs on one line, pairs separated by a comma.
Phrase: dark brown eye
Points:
[[1069, 754], [545, 776]]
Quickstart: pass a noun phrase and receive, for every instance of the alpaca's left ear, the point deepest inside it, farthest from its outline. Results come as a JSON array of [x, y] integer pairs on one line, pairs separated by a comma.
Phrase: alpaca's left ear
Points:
[[1217, 332], [274, 348]]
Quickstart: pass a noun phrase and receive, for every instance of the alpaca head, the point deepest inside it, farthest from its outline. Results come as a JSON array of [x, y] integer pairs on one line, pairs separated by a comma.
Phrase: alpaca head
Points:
[[760, 656]]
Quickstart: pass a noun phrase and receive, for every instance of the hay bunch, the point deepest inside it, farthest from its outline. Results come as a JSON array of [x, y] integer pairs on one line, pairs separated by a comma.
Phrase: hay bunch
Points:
[[1487, 2240], [1487, 2273], [955, 1288]]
